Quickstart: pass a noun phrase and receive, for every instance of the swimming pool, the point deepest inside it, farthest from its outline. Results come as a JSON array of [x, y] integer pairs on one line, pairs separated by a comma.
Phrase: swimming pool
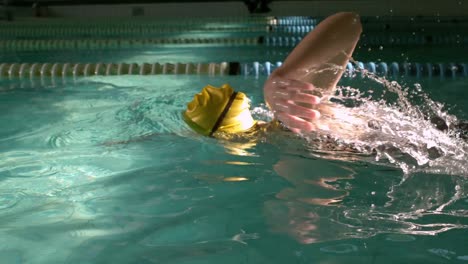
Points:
[[102, 169]]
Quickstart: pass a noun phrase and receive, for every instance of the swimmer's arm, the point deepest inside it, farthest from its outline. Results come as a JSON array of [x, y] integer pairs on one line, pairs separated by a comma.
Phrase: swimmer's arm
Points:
[[328, 45]]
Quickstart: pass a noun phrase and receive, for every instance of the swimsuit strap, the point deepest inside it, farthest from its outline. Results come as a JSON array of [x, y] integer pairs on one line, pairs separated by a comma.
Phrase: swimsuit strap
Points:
[[223, 114]]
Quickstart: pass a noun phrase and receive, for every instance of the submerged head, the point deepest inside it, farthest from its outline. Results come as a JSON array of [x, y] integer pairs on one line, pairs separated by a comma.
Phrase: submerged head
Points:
[[219, 110]]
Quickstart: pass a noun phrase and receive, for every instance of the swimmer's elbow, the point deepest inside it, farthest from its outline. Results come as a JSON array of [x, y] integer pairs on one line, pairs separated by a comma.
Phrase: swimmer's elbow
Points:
[[351, 19]]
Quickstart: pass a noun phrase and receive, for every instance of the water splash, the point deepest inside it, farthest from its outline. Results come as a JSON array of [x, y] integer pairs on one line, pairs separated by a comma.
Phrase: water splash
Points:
[[396, 126]]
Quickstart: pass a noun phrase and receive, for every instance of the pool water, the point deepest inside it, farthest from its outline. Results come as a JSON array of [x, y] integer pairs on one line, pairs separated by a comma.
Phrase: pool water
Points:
[[104, 170]]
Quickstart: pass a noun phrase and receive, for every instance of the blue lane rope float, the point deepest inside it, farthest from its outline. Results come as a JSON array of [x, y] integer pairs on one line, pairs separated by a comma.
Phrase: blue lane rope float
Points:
[[383, 69], [135, 23], [272, 33], [294, 21], [97, 44], [377, 39], [271, 41], [222, 23], [15, 71], [294, 30], [60, 28], [119, 31]]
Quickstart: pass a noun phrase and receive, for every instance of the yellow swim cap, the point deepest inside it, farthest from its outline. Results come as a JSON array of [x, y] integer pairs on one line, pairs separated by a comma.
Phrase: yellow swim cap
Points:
[[219, 109]]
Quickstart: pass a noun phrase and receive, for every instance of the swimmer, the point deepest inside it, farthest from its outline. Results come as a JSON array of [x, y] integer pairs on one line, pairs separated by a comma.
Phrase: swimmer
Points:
[[297, 92]]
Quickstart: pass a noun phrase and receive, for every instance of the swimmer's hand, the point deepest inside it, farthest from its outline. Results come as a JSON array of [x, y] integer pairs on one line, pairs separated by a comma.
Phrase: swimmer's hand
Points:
[[292, 103]]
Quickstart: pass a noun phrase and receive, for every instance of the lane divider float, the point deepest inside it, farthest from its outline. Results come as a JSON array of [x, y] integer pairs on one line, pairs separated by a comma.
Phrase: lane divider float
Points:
[[15, 71]]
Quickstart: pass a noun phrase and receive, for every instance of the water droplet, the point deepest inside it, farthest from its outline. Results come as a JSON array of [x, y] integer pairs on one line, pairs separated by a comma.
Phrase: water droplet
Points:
[[418, 87]]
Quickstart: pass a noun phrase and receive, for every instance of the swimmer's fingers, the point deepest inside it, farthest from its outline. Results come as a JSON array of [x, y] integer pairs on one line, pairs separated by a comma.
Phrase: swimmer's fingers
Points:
[[297, 97], [296, 124], [305, 98], [291, 108]]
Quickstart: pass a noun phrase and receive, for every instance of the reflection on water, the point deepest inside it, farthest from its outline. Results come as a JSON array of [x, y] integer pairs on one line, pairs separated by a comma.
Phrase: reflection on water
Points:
[[340, 201], [306, 210]]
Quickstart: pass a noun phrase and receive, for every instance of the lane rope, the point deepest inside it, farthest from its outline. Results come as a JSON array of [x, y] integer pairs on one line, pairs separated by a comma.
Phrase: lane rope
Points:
[[13, 71]]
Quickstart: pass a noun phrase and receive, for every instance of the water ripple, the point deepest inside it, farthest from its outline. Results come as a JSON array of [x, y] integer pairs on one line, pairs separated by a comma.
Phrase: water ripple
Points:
[[9, 199], [60, 139]]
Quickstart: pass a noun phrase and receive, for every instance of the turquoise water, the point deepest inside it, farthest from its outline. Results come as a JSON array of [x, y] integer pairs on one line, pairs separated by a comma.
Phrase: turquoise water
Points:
[[104, 170]]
